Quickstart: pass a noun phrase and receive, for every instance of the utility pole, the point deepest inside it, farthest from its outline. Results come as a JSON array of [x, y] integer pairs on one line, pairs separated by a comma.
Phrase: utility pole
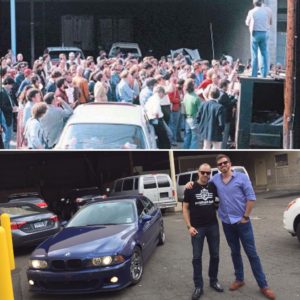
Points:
[[297, 77], [13, 27], [289, 95], [32, 31]]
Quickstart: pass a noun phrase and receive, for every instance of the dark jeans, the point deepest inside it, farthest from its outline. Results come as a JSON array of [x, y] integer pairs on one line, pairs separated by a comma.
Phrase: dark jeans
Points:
[[212, 235], [236, 233], [161, 132]]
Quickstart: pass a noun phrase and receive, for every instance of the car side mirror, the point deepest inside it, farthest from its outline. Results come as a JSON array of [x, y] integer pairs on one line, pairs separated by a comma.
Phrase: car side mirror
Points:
[[63, 224], [146, 218]]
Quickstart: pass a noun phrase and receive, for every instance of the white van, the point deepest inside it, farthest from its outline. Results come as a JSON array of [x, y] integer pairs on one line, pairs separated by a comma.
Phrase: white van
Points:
[[183, 178], [157, 187]]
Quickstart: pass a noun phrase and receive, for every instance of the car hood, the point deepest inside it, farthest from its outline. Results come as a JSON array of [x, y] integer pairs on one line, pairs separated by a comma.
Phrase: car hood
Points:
[[86, 241]]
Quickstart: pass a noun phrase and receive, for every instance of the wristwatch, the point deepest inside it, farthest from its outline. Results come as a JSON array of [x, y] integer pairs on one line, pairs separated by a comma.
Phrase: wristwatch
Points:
[[246, 217]]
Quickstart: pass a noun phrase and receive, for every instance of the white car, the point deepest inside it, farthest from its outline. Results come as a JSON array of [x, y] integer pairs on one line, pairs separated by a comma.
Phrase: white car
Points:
[[108, 126], [291, 218], [124, 49]]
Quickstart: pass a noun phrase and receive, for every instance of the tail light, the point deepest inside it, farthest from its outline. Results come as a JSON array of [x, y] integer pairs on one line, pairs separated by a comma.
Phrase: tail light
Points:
[[42, 204], [16, 225], [173, 193], [54, 219]]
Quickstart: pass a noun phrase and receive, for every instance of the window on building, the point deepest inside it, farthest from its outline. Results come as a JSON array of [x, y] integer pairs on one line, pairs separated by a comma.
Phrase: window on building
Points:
[[281, 160]]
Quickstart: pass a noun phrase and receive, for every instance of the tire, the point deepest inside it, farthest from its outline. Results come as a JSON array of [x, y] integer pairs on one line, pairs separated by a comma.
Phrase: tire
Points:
[[136, 266], [162, 235], [298, 231]]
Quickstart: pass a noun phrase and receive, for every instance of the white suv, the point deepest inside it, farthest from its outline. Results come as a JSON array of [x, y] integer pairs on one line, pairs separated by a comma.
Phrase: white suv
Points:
[[291, 218]]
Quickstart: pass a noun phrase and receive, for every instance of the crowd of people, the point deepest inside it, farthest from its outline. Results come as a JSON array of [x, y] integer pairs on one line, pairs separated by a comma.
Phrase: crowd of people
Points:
[[189, 102]]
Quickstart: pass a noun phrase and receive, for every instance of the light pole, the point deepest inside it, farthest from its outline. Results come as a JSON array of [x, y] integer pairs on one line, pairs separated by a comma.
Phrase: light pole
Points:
[[13, 27]]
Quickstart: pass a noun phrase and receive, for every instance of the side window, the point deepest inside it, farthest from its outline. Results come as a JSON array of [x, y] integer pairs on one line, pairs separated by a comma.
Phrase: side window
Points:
[[195, 176], [128, 184], [140, 207], [183, 179], [163, 181], [149, 182], [149, 206], [136, 183], [118, 187]]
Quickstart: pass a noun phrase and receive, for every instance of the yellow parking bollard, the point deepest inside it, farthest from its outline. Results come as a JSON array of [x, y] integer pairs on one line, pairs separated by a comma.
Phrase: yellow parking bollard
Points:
[[6, 289], [5, 223]]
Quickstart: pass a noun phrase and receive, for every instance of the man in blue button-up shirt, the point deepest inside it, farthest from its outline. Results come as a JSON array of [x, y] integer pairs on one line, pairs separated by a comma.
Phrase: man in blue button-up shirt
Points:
[[237, 199]]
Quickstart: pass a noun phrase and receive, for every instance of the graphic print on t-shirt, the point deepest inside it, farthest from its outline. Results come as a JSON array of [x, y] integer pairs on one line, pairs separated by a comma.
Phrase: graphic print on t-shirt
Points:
[[204, 198]]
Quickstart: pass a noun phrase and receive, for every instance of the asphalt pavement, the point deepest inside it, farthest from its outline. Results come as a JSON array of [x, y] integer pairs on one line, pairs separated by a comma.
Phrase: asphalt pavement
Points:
[[168, 273]]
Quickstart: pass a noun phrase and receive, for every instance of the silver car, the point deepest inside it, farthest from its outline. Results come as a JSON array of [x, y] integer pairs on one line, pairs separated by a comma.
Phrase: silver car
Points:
[[30, 224]]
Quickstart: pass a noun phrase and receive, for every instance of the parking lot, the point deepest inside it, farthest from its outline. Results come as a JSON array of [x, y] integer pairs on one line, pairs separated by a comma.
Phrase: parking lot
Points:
[[168, 273]]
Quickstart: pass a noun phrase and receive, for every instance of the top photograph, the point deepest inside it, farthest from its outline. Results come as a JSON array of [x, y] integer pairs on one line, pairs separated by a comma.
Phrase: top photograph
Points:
[[149, 74]]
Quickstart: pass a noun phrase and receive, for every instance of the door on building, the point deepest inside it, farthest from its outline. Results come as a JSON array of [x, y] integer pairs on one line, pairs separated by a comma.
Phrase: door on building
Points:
[[111, 30], [260, 172]]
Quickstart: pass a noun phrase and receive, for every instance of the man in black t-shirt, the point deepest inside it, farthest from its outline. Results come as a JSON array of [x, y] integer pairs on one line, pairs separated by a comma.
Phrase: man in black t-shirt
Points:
[[199, 212]]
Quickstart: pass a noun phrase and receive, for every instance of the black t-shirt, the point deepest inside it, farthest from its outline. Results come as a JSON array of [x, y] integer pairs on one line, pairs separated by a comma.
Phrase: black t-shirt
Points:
[[201, 201]]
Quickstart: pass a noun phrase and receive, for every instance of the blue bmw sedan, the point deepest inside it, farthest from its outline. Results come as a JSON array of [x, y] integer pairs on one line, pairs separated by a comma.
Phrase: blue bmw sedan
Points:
[[102, 248]]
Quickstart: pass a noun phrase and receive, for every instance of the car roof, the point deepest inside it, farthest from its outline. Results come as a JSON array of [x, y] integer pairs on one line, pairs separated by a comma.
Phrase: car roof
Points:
[[63, 49], [107, 113], [118, 198], [136, 176], [125, 44]]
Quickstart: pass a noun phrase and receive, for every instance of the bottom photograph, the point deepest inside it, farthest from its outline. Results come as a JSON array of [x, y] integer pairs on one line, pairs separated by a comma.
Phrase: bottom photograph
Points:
[[150, 225]]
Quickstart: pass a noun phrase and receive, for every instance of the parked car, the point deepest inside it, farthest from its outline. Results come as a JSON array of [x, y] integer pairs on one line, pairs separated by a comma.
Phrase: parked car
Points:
[[55, 51], [73, 199], [183, 178], [32, 197], [157, 187], [291, 218], [30, 224], [108, 126], [124, 49], [102, 248]]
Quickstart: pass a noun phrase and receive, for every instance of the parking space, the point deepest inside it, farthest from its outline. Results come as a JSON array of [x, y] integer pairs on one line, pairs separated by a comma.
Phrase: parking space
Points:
[[168, 273]]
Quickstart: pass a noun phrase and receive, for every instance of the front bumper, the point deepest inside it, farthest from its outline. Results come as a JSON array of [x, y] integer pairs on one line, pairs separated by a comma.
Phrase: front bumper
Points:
[[80, 282]]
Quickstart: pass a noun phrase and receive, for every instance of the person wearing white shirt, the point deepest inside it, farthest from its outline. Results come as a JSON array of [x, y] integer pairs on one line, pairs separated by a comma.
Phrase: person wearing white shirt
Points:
[[155, 115], [259, 21]]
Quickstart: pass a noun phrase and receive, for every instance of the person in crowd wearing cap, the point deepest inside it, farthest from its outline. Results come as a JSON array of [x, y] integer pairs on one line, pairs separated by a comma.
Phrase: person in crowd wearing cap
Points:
[[7, 107], [259, 21], [199, 212], [26, 81]]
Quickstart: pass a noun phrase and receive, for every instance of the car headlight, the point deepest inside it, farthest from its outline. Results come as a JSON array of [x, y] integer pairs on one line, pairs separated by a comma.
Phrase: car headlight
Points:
[[38, 264], [107, 260]]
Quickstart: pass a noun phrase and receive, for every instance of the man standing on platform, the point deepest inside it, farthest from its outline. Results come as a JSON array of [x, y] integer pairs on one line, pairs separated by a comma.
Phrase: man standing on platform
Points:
[[259, 21]]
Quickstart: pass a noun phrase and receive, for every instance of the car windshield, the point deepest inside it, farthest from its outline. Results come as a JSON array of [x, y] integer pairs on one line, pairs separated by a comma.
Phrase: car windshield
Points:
[[104, 213], [55, 54], [125, 51], [103, 136], [21, 210]]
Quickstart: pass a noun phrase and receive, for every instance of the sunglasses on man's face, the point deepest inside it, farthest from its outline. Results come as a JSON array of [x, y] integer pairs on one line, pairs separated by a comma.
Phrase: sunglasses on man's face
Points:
[[223, 163], [205, 173]]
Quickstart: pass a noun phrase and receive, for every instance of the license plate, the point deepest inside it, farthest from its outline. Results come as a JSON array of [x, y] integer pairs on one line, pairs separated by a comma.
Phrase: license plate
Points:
[[164, 195], [39, 225]]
